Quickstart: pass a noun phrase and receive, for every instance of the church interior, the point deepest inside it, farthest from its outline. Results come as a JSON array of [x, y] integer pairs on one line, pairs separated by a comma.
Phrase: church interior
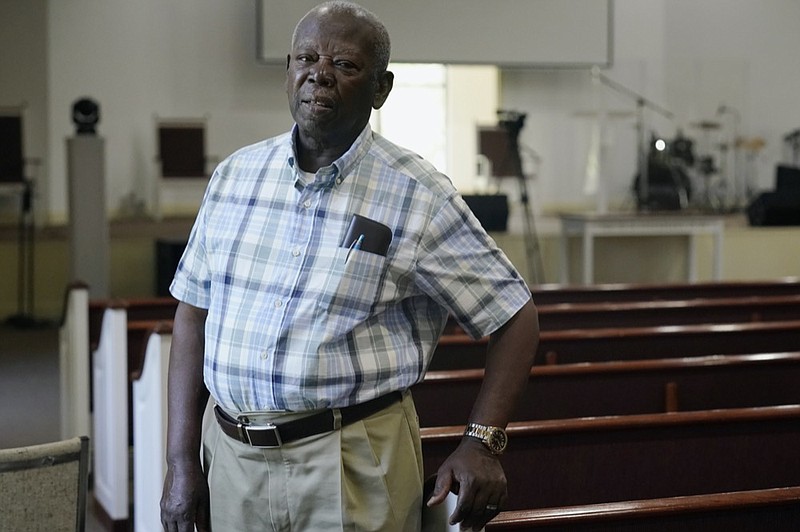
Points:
[[638, 161]]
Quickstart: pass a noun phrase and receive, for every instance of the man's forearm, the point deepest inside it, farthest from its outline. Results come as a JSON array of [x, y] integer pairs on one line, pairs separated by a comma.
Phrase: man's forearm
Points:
[[187, 394], [509, 359]]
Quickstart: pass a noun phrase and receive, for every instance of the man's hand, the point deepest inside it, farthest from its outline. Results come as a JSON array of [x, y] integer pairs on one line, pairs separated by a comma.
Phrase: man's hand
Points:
[[477, 476], [184, 501]]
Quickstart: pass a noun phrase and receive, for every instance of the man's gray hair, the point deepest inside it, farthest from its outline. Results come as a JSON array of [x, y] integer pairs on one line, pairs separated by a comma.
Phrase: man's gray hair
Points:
[[382, 42]]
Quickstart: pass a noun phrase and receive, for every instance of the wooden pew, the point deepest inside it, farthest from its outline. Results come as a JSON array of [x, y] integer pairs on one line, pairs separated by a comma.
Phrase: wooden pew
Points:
[[658, 342], [776, 510], [166, 306], [458, 351], [149, 442], [672, 312], [137, 309], [606, 293], [595, 315], [621, 458], [622, 387]]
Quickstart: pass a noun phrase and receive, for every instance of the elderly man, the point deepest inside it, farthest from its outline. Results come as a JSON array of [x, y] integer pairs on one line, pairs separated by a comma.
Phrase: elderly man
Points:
[[317, 280]]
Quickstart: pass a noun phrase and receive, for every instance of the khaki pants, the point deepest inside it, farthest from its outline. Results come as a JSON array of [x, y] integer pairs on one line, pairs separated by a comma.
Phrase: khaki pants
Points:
[[366, 476]]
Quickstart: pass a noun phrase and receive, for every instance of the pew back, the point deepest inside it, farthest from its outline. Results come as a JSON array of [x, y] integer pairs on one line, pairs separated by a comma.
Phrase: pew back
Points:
[[619, 458], [557, 293], [622, 387], [458, 351], [669, 312], [776, 510]]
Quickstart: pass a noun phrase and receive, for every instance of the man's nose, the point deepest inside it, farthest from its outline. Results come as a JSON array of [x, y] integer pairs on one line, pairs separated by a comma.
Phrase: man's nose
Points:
[[322, 72]]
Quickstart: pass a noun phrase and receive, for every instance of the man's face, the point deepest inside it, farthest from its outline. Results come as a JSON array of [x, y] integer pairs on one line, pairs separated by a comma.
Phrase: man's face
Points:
[[330, 78]]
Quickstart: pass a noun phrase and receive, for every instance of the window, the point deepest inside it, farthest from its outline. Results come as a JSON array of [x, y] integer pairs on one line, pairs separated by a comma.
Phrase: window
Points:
[[435, 110]]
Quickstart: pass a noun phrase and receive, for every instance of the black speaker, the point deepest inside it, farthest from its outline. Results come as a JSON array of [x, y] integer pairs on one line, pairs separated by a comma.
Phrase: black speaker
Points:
[[787, 179], [168, 254], [491, 210], [775, 208]]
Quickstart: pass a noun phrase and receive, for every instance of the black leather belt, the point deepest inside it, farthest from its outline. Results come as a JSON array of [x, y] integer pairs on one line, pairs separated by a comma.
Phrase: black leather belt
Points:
[[274, 435]]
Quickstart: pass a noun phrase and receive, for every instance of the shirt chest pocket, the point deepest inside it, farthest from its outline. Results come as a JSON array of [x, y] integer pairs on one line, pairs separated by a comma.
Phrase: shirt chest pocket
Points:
[[350, 290]]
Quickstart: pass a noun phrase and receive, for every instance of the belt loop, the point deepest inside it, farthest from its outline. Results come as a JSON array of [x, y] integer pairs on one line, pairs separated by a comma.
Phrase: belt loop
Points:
[[337, 419]]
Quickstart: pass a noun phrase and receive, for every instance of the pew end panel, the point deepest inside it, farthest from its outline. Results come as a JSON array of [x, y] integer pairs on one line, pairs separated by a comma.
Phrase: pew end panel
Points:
[[149, 400], [110, 403]]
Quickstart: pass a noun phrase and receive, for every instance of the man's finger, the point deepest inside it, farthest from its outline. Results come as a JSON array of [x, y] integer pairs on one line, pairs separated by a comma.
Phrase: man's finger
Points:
[[464, 505], [441, 489]]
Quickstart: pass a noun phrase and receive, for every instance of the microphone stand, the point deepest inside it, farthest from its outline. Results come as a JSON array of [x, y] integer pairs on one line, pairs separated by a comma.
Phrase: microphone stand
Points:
[[512, 122], [642, 153]]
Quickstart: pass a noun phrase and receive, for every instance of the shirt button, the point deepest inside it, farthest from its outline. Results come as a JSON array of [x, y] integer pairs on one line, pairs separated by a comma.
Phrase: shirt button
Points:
[[296, 252], [263, 355], [278, 303], [307, 204]]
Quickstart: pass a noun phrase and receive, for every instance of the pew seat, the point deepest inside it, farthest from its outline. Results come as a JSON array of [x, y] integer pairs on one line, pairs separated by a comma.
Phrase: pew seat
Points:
[[459, 351]]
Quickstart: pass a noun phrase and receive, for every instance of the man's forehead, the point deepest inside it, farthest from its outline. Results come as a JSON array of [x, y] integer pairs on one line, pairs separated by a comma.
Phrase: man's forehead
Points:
[[348, 33]]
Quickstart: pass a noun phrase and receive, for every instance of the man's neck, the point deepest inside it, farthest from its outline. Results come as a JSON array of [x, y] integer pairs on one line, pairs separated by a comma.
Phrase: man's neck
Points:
[[314, 152]]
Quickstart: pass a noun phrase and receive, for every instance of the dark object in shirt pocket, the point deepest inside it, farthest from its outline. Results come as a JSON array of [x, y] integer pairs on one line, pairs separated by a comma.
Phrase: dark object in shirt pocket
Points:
[[369, 235]]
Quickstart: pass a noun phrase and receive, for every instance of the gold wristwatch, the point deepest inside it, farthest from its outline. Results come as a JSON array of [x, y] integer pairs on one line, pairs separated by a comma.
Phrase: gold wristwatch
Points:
[[494, 438]]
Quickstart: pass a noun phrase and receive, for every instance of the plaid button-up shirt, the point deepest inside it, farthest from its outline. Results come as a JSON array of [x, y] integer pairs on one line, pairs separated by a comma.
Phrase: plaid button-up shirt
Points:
[[296, 319]]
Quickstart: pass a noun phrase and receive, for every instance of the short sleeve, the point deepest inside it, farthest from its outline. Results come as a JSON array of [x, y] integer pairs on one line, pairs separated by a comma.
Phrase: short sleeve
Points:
[[192, 281], [461, 267]]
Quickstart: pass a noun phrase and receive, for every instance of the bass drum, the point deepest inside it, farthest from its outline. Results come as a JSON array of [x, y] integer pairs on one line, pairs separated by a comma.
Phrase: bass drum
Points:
[[668, 187]]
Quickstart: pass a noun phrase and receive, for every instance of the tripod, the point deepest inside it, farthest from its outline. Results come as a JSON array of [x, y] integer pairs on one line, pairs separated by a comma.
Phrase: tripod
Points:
[[512, 123]]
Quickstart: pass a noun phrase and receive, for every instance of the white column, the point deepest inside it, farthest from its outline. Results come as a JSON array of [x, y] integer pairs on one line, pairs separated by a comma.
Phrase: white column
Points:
[[88, 223]]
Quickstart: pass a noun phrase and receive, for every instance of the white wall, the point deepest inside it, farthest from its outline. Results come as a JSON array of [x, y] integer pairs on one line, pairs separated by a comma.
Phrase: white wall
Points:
[[148, 59], [196, 58]]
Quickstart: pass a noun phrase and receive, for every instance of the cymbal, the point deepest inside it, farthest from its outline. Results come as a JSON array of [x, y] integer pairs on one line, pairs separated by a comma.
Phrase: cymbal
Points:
[[750, 144], [705, 124]]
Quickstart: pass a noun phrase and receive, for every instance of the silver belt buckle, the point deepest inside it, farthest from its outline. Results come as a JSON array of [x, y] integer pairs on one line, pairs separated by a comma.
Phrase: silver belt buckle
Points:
[[246, 430]]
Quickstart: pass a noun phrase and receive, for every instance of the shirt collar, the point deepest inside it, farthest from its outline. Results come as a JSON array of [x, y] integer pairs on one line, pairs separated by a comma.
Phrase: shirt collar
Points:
[[336, 172]]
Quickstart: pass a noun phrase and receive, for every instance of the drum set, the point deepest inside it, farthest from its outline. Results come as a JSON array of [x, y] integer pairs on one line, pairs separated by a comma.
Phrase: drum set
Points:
[[710, 173]]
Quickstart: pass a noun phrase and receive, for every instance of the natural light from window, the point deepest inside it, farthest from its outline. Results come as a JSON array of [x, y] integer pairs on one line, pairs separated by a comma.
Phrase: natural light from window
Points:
[[435, 110]]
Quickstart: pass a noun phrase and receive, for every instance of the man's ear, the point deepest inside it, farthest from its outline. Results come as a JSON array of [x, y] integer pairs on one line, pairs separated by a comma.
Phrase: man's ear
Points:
[[385, 83]]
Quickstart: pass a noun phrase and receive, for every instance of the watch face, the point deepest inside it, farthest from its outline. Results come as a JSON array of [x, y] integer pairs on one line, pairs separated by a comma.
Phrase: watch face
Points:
[[497, 441]]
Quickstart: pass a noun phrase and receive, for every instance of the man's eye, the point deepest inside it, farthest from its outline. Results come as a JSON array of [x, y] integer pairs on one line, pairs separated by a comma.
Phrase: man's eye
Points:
[[347, 65]]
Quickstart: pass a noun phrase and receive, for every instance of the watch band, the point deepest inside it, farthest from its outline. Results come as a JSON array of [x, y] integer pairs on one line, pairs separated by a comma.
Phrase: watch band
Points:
[[494, 438]]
